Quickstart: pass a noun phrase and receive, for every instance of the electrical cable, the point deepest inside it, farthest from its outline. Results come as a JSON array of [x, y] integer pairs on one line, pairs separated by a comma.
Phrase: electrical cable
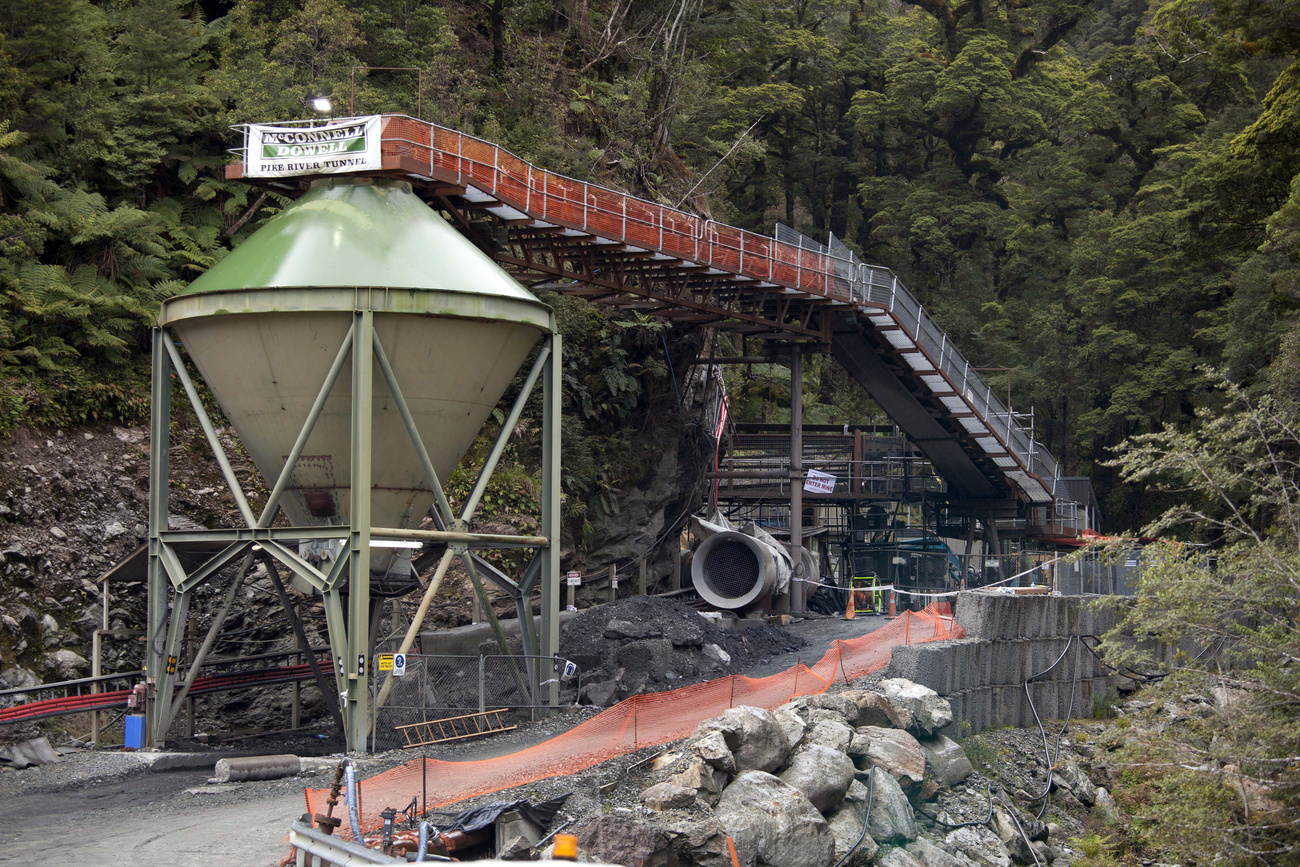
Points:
[[1025, 837], [988, 792], [866, 822], [1069, 712], [1124, 671], [1047, 752]]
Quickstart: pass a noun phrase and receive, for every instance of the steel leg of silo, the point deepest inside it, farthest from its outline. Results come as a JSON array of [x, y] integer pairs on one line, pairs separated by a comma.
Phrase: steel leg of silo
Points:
[[336, 627], [550, 577], [162, 718], [525, 603], [356, 712], [159, 446]]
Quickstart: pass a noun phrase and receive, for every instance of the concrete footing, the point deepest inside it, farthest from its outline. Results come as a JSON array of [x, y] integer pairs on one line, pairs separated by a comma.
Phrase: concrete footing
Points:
[[1008, 639]]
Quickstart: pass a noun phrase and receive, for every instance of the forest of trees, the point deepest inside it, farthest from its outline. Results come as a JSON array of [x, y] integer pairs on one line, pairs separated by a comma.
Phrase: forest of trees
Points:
[[1103, 195]]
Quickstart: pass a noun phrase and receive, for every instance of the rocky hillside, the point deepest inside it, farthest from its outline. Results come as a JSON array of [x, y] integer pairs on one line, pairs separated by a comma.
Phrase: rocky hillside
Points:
[[73, 503]]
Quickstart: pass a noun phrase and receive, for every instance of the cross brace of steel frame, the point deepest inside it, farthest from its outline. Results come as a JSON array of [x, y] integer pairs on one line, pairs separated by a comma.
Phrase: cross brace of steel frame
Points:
[[170, 586]]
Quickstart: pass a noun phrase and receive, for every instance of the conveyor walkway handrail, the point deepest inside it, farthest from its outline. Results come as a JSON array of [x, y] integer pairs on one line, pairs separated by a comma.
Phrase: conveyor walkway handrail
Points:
[[513, 189]]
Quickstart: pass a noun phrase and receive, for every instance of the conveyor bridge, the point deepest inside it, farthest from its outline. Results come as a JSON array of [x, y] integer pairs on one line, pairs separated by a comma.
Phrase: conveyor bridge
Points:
[[616, 249]]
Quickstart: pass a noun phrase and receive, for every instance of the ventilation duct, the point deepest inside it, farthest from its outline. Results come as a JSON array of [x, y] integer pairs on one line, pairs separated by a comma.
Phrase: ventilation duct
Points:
[[733, 571]]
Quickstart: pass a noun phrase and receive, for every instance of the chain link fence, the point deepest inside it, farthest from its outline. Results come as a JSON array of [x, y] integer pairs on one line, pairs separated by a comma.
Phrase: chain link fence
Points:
[[455, 688]]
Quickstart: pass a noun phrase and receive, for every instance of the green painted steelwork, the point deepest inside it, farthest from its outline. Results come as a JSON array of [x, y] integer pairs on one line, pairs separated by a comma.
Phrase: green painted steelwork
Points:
[[362, 272], [350, 232]]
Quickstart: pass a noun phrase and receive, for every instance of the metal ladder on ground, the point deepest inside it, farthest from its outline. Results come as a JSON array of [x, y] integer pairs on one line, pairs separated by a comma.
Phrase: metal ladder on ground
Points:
[[454, 728]]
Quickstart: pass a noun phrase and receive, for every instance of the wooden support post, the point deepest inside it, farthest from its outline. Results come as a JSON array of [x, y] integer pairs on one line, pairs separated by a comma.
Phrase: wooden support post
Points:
[[677, 564], [613, 583], [571, 592], [642, 577]]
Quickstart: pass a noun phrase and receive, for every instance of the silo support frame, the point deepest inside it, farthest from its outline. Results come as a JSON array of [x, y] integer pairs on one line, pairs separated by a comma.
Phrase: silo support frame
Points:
[[348, 626]]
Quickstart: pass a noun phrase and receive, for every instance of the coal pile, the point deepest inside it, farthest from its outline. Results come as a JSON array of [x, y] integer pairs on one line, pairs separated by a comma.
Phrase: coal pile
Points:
[[650, 644]]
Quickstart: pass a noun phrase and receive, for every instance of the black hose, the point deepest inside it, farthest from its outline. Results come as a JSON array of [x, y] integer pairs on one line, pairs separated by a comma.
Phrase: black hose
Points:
[[1047, 751], [1124, 671], [988, 793], [1069, 712], [866, 822], [1025, 837]]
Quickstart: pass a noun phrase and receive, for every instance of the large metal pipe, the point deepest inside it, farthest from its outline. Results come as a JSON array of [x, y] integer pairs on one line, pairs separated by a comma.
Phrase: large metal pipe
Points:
[[249, 768], [732, 570]]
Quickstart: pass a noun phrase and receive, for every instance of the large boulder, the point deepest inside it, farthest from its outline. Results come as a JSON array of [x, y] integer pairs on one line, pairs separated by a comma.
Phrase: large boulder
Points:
[[892, 750], [947, 760], [980, 845], [712, 747], [1105, 805], [687, 770], [601, 693], [1070, 776], [875, 709], [931, 855], [821, 773], [1009, 832], [773, 824], [892, 819], [828, 729], [755, 738], [697, 839], [66, 664], [853, 845], [896, 858], [664, 842], [930, 711], [652, 657], [619, 841], [666, 796], [841, 703], [792, 723]]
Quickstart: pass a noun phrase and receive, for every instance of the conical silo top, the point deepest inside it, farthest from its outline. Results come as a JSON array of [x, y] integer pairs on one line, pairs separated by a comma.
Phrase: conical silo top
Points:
[[359, 233], [265, 323]]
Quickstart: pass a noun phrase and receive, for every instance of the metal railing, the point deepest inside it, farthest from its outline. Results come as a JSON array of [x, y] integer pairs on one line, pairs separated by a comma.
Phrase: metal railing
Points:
[[521, 190]]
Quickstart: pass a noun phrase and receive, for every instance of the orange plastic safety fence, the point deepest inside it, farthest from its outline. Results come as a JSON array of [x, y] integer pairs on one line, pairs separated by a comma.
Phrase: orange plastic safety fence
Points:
[[640, 721]]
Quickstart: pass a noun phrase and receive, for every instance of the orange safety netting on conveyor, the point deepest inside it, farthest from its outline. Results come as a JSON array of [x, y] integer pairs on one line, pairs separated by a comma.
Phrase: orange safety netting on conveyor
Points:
[[641, 721]]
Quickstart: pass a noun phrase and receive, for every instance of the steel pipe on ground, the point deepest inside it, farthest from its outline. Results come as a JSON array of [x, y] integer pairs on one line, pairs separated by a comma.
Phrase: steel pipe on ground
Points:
[[257, 768]]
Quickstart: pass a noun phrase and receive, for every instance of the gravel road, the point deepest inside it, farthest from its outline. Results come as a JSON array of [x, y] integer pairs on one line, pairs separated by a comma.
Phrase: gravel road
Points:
[[109, 808]]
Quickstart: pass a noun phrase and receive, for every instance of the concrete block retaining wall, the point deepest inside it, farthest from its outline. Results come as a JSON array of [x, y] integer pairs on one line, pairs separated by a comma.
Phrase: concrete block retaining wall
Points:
[[1008, 639]]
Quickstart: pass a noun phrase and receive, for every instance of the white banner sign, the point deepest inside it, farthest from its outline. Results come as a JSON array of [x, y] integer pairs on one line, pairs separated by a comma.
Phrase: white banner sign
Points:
[[818, 482], [284, 151]]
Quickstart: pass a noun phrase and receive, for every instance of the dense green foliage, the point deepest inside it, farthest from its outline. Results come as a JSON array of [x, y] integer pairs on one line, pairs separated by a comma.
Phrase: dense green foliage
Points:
[[1099, 194], [1223, 785]]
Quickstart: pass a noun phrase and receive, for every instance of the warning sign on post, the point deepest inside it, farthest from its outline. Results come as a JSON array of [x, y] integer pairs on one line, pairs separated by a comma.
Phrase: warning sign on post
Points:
[[818, 482], [575, 579], [386, 662]]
